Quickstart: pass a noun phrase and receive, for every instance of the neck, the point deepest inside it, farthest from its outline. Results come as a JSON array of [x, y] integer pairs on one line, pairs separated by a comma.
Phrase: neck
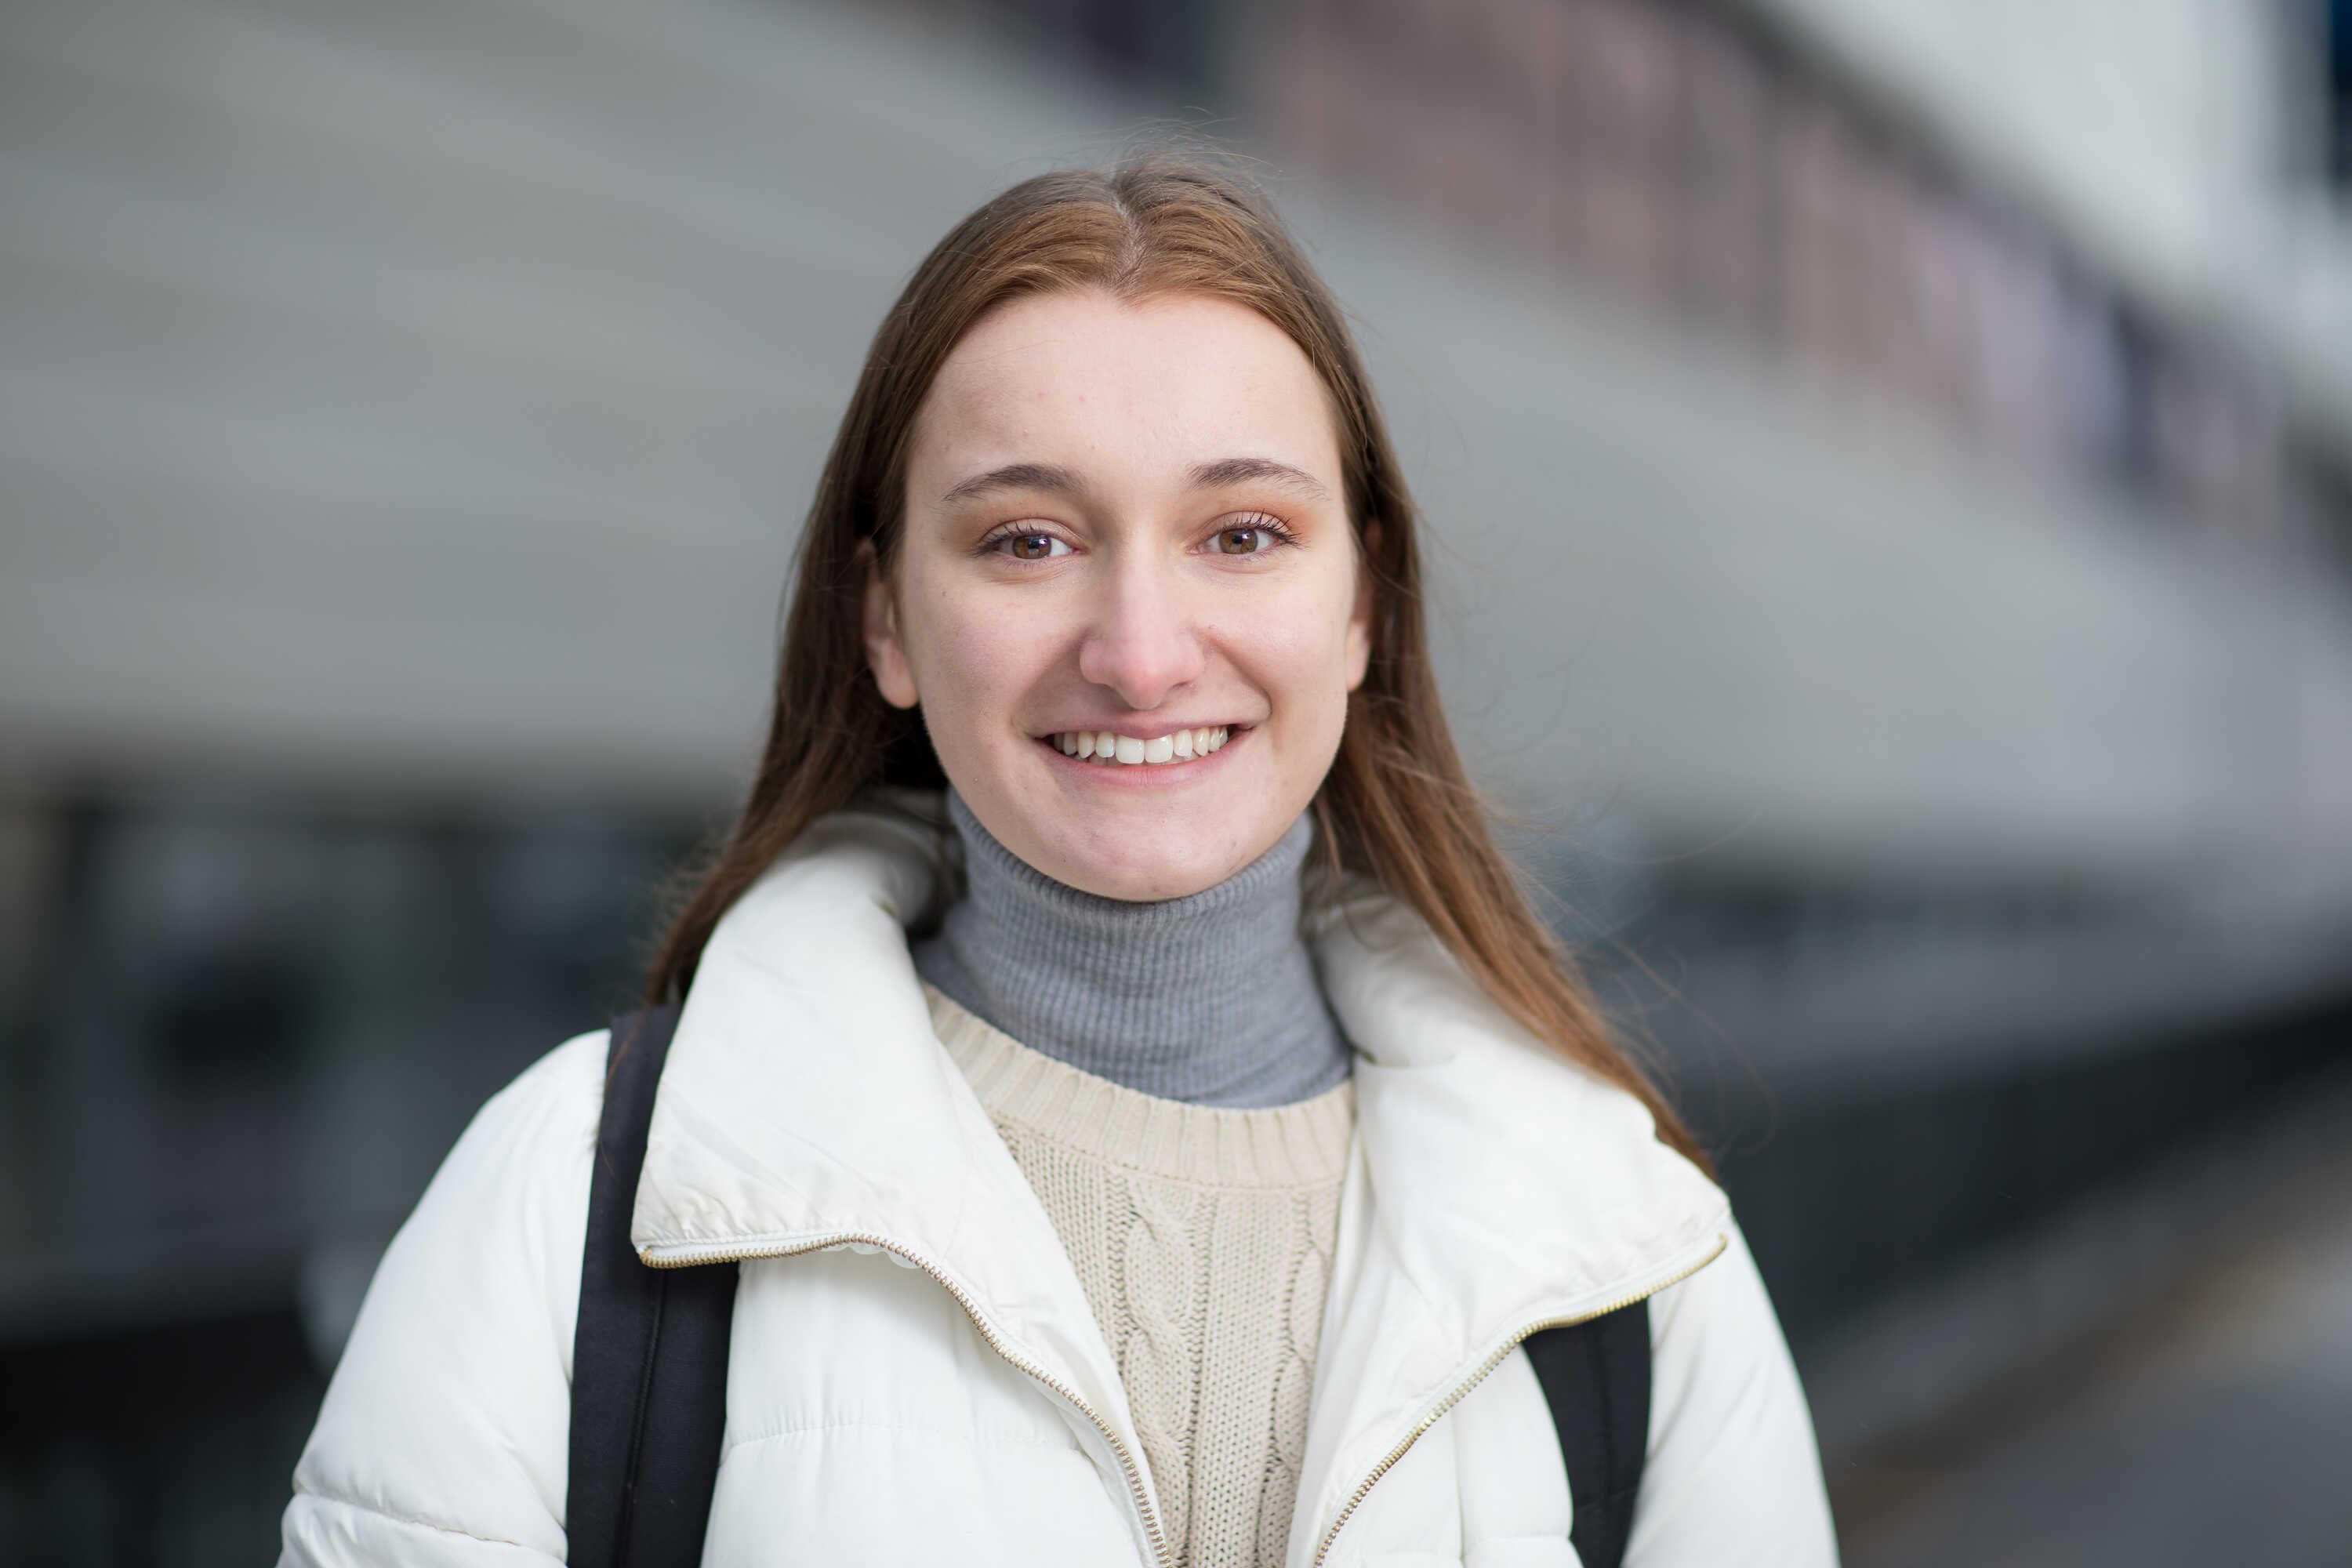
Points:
[[1211, 998]]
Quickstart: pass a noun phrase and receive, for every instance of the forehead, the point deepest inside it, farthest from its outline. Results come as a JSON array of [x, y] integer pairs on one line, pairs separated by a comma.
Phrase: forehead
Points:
[[1140, 388]]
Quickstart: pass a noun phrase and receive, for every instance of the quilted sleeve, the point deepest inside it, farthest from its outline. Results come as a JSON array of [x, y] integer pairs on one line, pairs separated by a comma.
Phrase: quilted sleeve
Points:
[[1734, 1477], [443, 1438]]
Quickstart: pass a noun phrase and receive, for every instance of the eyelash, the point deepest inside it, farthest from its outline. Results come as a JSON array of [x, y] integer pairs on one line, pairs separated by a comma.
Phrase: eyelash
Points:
[[1255, 522]]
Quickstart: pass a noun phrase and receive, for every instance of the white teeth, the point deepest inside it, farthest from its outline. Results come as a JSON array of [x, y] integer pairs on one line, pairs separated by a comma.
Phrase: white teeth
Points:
[[1109, 748]]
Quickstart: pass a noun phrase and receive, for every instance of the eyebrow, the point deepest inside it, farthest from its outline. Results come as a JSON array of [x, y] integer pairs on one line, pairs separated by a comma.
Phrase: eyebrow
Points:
[[1214, 475]]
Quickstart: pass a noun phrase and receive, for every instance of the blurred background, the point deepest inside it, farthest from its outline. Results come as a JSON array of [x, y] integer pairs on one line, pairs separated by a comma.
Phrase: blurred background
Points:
[[1889, 465]]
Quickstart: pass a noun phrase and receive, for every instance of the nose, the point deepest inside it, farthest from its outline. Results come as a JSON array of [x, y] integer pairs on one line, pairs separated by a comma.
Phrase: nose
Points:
[[1142, 641]]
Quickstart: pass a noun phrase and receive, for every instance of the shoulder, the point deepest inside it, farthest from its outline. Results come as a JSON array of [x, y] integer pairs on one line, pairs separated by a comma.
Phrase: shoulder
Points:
[[1725, 1293], [511, 1196], [1734, 1475], [449, 1412], [515, 1183], [539, 1125]]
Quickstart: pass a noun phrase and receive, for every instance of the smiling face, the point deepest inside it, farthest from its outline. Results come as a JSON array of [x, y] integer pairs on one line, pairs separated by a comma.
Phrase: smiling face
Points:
[[1126, 520]]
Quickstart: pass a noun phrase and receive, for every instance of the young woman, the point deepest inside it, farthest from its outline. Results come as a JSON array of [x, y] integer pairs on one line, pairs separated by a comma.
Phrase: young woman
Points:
[[1112, 942]]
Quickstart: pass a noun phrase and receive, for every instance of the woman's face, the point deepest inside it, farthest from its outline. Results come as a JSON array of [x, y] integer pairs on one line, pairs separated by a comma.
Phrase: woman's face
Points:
[[1126, 520]]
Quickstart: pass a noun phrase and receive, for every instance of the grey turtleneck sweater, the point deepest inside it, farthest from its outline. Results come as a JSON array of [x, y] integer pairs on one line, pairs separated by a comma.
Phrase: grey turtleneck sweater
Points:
[[1211, 998]]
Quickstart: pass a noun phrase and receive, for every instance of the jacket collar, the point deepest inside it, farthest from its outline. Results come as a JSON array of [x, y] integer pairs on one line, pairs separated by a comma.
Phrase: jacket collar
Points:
[[806, 1100]]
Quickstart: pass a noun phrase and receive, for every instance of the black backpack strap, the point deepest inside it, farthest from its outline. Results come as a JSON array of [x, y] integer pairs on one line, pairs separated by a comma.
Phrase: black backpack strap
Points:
[[649, 1355], [1596, 1378]]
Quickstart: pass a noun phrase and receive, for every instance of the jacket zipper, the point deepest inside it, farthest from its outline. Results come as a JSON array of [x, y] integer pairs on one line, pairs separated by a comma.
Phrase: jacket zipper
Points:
[[684, 1257], [1722, 1244]]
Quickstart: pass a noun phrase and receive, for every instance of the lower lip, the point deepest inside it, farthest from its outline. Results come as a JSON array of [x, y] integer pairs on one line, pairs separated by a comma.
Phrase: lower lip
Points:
[[1144, 776]]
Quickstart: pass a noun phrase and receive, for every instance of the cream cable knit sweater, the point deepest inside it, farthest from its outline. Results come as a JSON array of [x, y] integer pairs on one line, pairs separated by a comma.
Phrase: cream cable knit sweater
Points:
[[1202, 1238]]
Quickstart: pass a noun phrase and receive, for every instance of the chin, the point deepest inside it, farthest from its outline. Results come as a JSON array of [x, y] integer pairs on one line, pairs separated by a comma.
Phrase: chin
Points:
[[1144, 873], [1153, 886]]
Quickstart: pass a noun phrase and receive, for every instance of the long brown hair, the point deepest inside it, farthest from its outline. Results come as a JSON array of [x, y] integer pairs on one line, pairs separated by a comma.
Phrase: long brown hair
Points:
[[1396, 803]]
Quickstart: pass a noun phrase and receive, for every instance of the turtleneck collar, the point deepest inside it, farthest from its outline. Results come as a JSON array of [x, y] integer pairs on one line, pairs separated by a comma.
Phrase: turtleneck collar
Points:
[[1211, 998]]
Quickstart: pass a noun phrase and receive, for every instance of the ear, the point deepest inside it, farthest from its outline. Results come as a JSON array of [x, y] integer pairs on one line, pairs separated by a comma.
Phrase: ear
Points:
[[884, 653], [1360, 619]]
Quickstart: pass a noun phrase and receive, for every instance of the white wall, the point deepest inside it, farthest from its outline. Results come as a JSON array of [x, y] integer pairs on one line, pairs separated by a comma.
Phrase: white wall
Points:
[[2162, 132]]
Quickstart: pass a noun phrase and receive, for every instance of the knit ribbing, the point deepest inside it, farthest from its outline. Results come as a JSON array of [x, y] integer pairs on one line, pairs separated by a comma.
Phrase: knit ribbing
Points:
[[1202, 1238], [1211, 998], [1304, 1144]]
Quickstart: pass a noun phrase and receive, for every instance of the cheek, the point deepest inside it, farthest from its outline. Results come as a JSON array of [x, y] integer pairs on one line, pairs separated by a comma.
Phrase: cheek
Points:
[[971, 661], [1300, 649]]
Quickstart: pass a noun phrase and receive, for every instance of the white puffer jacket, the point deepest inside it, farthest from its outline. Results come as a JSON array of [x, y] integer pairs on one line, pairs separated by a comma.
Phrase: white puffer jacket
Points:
[[916, 1376]]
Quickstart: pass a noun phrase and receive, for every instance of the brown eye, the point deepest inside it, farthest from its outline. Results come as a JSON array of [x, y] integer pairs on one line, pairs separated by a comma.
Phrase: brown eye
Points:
[[1241, 541], [1029, 546]]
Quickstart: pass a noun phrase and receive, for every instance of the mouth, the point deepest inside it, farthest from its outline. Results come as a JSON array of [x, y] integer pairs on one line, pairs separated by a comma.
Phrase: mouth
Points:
[[1110, 749]]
